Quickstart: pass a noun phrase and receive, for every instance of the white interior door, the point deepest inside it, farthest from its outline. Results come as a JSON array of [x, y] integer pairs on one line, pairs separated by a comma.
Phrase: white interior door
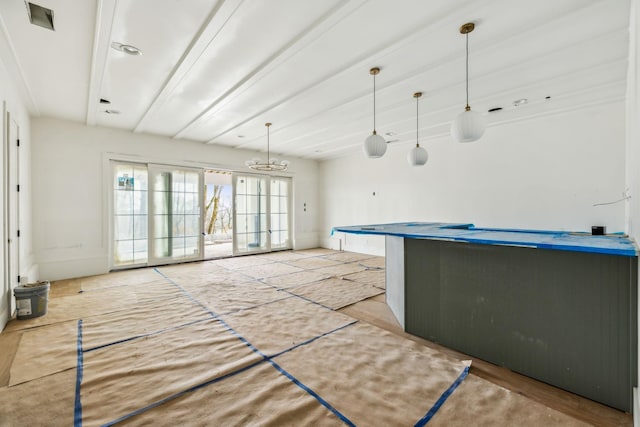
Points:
[[175, 212]]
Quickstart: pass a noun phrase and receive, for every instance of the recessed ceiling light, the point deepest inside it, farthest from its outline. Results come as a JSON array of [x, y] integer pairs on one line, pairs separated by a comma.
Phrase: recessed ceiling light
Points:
[[126, 48], [547, 97], [390, 133], [520, 102], [494, 110], [112, 111]]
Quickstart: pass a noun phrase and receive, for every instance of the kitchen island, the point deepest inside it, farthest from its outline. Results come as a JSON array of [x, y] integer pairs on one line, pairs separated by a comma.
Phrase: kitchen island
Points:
[[556, 306]]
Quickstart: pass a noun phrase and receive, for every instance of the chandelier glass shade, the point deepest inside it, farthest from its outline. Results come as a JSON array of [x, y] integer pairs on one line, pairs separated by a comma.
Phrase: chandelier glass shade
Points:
[[272, 164], [375, 146]]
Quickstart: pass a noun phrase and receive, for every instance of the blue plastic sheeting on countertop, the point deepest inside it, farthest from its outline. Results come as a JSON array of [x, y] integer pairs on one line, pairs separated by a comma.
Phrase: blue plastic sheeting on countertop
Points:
[[542, 239]]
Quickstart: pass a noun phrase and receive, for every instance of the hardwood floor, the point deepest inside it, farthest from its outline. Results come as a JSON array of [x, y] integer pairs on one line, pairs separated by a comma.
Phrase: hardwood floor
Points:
[[376, 312]]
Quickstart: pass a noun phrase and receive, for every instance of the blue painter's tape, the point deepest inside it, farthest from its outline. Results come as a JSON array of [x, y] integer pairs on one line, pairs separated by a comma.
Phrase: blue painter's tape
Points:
[[306, 299], [256, 306], [539, 239], [77, 410], [181, 393], [310, 340], [323, 402], [424, 420], [122, 341], [265, 358], [214, 315], [191, 297]]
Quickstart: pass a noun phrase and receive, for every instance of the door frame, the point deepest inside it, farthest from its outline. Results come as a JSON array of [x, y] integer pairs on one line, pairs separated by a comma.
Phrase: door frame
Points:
[[11, 210], [155, 166], [268, 245], [234, 189], [152, 260]]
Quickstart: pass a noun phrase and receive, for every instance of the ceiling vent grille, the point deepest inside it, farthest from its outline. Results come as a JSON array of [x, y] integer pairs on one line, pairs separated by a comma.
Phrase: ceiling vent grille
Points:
[[40, 16]]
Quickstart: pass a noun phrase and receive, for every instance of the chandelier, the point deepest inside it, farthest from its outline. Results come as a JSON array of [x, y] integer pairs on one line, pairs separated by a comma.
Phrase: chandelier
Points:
[[271, 164]]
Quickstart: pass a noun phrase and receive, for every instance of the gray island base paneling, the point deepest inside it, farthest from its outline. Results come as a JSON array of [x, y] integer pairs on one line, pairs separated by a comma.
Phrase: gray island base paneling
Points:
[[565, 317]]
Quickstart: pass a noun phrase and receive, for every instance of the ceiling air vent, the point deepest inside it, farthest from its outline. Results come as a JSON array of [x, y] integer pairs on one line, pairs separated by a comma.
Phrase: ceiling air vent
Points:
[[40, 16]]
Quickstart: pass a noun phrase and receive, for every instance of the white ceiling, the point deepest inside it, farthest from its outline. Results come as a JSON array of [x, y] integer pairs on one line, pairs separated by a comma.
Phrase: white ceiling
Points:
[[216, 71]]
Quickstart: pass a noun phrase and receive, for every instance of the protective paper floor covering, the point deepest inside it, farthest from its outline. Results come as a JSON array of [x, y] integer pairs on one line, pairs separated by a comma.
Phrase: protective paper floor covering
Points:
[[44, 351], [125, 377], [372, 277], [229, 298], [336, 293], [269, 270], [100, 301], [241, 261], [132, 277], [358, 371], [342, 269], [260, 396], [284, 324], [313, 263], [295, 279], [147, 318], [376, 262], [46, 402], [348, 256], [477, 402], [153, 355]]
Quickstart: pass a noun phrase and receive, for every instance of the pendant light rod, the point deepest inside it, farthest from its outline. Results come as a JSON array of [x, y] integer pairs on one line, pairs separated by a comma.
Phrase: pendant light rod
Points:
[[466, 29], [417, 96], [374, 72]]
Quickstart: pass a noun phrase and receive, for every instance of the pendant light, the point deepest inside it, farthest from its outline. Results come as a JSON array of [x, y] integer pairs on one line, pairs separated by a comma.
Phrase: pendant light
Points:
[[469, 125], [271, 164], [418, 156], [374, 146]]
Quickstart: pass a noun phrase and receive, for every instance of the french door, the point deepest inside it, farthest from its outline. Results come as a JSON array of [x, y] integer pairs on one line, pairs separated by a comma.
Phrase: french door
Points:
[[261, 220], [157, 214]]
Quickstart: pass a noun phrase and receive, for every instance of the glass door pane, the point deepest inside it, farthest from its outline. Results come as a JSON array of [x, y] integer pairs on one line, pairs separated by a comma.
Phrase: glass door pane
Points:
[[130, 244], [279, 212], [250, 217], [175, 213]]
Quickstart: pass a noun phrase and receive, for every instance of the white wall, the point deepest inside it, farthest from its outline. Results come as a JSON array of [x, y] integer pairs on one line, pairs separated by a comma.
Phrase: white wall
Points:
[[13, 104], [542, 173], [70, 211], [633, 150]]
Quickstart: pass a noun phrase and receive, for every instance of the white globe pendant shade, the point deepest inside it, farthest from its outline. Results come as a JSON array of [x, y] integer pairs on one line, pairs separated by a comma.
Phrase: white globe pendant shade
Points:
[[469, 126], [375, 146], [417, 156]]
